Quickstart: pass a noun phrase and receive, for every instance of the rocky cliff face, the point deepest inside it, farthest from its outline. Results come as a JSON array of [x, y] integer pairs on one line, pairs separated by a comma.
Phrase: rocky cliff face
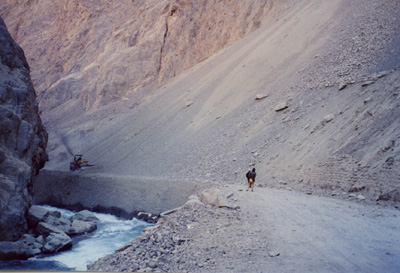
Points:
[[91, 53], [23, 138]]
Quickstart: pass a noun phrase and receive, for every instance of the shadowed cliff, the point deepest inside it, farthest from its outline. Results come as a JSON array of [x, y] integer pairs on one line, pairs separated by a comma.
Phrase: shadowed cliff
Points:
[[23, 138]]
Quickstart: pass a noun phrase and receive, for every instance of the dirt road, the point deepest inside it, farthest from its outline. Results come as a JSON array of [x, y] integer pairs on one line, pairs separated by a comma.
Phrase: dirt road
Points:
[[318, 234], [273, 231]]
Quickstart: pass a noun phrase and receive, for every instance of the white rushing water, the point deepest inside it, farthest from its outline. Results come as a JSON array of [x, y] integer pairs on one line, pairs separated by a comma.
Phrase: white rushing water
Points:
[[111, 234]]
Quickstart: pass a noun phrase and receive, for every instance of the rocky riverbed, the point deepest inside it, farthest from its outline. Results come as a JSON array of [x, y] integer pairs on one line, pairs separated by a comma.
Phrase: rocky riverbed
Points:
[[49, 232]]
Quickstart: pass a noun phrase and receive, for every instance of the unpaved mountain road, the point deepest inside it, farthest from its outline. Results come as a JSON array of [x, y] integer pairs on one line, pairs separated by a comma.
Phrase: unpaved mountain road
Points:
[[274, 230], [316, 234]]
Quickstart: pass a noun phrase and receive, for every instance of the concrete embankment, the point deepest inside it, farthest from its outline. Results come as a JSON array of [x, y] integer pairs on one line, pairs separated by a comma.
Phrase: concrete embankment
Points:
[[123, 196]]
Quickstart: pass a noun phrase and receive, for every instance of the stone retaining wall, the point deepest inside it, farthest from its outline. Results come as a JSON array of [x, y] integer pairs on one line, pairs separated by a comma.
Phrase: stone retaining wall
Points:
[[122, 196]]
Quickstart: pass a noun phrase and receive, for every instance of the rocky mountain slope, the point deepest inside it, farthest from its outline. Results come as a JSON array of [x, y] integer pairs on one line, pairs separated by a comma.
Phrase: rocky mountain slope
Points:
[[91, 53], [325, 70], [23, 138]]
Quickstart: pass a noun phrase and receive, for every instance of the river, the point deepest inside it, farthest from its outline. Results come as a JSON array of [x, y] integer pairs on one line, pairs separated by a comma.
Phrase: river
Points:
[[111, 234]]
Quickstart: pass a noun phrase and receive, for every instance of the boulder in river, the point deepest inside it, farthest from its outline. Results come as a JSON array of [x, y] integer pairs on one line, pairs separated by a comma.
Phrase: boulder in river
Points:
[[56, 242], [60, 223], [36, 214], [46, 229], [81, 227], [86, 216]]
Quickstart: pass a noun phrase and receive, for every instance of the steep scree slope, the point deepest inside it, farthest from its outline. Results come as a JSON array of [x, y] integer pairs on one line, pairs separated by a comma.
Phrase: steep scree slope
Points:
[[206, 124], [329, 62]]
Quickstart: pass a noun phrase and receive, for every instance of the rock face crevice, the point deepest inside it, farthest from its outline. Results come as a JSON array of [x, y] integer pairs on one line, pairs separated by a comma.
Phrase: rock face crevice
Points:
[[23, 138], [163, 44]]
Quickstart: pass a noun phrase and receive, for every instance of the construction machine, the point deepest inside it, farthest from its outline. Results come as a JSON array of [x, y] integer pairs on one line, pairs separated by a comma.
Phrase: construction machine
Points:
[[78, 163]]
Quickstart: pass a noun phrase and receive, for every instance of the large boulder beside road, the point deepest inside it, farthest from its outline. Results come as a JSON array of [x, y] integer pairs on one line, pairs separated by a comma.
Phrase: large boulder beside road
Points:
[[214, 197]]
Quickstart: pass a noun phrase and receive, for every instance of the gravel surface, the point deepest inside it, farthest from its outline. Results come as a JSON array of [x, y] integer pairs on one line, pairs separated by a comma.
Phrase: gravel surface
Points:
[[271, 231]]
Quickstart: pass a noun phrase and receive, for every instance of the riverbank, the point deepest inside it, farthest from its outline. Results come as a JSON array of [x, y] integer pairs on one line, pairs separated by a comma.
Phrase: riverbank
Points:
[[111, 234], [274, 230]]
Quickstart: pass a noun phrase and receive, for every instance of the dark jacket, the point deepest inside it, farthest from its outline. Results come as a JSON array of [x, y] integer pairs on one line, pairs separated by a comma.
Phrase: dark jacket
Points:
[[252, 175]]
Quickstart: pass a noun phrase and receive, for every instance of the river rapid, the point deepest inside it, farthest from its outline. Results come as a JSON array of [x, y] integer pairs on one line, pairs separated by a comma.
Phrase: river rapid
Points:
[[111, 234]]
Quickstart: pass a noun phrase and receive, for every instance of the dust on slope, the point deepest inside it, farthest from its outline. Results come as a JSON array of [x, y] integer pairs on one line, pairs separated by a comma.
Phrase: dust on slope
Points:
[[205, 124], [222, 90]]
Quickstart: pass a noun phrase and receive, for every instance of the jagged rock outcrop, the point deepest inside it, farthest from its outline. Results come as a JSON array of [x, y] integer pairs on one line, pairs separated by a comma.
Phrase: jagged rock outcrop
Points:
[[23, 138], [88, 53]]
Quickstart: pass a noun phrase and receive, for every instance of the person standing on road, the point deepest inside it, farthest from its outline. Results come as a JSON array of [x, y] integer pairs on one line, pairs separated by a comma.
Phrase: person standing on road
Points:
[[251, 177], [248, 175]]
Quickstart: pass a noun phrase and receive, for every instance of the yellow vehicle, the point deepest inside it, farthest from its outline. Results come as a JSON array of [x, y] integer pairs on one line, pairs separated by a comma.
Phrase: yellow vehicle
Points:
[[78, 163]]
